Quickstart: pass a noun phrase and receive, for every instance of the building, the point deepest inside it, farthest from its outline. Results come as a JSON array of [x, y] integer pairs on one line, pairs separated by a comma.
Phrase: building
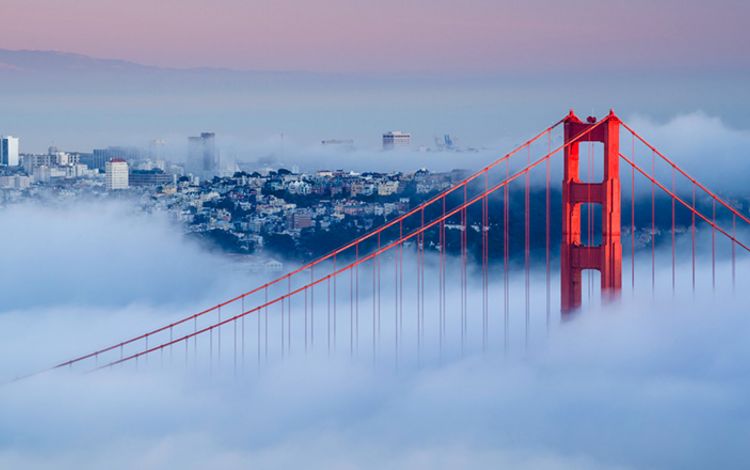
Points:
[[202, 157], [9, 151], [117, 174], [388, 188], [154, 177], [396, 139], [156, 149], [302, 219], [65, 159], [15, 182], [46, 174], [52, 158], [32, 161], [96, 160], [100, 157]]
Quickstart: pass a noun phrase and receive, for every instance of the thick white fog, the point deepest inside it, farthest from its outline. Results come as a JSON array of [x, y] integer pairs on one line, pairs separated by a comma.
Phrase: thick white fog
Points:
[[92, 273], [701, 144], [645, 383]]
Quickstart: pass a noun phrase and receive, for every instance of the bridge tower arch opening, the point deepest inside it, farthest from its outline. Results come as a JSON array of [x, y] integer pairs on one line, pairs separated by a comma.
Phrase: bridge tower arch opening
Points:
[[605, 257]]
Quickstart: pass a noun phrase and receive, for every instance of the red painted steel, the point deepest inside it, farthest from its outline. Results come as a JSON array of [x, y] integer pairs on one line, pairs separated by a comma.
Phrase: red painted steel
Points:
[[547, 232], [574, 256]]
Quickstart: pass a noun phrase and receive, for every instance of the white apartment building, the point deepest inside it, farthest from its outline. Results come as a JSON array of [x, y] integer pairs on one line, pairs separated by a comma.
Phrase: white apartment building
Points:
[[116, 171], [9, 151]]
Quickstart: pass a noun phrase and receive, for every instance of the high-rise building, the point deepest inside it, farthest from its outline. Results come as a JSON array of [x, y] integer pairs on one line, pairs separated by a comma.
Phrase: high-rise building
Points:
[[99, 157], [202, 156], [396, 139], [156, 149], [116, 171], [9, 151]]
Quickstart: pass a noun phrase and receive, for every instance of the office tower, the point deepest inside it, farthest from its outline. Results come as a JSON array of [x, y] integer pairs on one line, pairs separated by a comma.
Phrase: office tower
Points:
[[116, 171], [396, 139], [9, 151], [99, 157], [202, 156], [156, 149]]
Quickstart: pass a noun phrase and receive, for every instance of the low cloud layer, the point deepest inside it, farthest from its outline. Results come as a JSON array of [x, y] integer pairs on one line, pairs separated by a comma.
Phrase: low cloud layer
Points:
[[72, 274], [637, 387], [644, 384], [705, 146]]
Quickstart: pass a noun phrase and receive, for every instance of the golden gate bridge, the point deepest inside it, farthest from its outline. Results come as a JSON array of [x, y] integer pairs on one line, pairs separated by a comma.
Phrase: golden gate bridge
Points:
[[398, 287]]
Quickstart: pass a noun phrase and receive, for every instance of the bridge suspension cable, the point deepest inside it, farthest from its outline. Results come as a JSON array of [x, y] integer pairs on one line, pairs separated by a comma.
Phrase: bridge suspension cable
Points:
[[330, 256], [710, 221], [411, 228], [352, 267]]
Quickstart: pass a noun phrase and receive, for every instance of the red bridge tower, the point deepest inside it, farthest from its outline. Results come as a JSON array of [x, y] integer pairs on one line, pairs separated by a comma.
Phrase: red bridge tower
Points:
[[575, 257]]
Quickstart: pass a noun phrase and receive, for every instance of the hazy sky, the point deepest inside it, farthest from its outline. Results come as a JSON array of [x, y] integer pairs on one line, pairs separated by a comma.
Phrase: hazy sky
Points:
[[485, 71], [471, 36]]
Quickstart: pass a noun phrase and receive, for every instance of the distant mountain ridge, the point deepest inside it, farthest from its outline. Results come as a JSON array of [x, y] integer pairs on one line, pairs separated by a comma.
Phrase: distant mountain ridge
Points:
[[52, 71], [35, 60], [45, 70]]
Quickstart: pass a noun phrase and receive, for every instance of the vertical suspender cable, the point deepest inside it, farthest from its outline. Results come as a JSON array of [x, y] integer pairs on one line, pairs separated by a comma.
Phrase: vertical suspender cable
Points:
[[713, 246], [328, 316], [265, 323], [547, 227], [653, 225], [463, 271], [421, 275], [419, 294], [673, 231], [441, 274], [632, 222], [734, 246], [506, 239], [401, 282], [485, 203], [395, 305], [334, 303], [283, 342], [374, 305], [351, 312], [378, 266], [692, 239], [218, 330], [356, 300], [527, 250]]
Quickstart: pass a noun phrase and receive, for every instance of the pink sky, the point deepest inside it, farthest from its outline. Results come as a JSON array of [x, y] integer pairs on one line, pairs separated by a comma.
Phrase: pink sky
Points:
[[388, 35]]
